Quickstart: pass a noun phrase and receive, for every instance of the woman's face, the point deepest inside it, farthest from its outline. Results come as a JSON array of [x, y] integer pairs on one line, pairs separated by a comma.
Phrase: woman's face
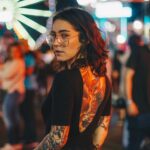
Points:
[[65, 40]]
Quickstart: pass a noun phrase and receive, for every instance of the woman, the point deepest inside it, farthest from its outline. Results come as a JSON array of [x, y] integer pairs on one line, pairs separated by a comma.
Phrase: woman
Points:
[[12, 76], [77, 109]]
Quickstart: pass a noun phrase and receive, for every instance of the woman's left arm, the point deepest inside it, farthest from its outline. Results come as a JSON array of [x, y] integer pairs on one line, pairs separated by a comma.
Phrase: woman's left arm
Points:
[[56, 139], [61, 113], [101, 131]]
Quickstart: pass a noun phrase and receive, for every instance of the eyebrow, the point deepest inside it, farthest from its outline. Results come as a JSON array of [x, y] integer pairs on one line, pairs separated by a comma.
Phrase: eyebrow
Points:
[[61, 31]]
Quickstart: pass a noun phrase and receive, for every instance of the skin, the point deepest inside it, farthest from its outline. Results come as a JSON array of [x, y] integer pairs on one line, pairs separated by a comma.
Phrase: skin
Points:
[[63, 29], [132, 109], [101, 131]]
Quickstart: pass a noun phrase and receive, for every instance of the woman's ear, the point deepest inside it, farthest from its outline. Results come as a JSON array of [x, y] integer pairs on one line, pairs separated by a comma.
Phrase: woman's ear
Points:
[[83, 39]]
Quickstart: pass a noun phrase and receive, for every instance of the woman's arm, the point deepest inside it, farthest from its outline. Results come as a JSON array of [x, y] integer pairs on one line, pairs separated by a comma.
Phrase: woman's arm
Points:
[[56, 139], [9, 70], [61, 112], [101, 131], [132, 109]]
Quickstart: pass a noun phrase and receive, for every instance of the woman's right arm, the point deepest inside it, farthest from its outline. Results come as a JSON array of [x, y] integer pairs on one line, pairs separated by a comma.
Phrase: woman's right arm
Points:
[[101, 131], [132, 109]]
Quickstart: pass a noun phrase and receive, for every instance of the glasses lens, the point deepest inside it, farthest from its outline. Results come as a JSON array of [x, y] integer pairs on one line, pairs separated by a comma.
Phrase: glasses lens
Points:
[[66, 42], [60, 40]]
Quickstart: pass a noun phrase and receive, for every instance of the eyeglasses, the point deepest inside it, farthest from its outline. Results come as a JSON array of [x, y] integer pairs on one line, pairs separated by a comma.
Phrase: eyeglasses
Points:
[[62, 39]]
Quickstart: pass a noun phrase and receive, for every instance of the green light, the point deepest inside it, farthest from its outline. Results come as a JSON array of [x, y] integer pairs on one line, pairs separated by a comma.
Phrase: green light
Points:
[[21, 29], [32, 24], [18, 11], [24, 33], [28, 2], [123, 27], [34, 12], [9, 26]]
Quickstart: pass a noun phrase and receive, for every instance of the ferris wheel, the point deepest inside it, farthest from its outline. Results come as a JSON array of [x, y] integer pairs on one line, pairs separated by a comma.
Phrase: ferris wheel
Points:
[[17, 15]]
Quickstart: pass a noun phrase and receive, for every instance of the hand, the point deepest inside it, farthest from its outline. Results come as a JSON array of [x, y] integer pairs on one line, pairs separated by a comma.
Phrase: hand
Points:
[[132, 108], [37, 147]]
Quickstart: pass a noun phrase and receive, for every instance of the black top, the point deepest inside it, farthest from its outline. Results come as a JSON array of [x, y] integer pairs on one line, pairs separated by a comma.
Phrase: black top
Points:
[[63, 106], [140, 62]]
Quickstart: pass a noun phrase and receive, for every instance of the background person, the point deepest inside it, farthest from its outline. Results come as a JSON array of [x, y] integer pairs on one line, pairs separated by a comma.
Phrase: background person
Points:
[[12, 75], [138, 95], [27, 107]]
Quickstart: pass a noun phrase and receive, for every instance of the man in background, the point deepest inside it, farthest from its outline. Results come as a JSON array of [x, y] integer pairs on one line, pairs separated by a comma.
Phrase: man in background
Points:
[[138, 95]]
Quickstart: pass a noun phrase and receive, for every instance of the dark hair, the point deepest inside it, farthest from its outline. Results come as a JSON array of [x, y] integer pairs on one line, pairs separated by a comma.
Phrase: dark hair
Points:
[[93, 44], [134, 40], [61, 4]]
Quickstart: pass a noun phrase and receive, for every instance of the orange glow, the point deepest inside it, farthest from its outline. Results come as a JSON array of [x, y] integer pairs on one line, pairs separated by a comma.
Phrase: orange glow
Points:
[[18, 33]]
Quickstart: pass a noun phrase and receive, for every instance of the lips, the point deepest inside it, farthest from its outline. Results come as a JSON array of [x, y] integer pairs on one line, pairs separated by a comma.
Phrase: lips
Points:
[[58, 52]]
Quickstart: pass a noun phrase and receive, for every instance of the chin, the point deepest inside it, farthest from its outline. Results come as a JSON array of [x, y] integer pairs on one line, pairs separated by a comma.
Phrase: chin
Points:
[[60, 59]]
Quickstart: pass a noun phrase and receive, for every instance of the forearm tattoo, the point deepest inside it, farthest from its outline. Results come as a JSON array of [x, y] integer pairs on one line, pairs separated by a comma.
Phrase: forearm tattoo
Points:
[[101, 132], [97, 147], [104, 122], [56, 139]]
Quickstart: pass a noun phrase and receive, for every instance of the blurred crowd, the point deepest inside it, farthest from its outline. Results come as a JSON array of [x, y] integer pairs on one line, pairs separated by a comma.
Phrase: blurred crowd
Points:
[[26, 77], [131, 91]]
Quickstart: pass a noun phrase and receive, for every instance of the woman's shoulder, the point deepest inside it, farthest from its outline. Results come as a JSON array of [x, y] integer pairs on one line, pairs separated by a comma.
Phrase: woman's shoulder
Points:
[[67, 74], [67, 79]]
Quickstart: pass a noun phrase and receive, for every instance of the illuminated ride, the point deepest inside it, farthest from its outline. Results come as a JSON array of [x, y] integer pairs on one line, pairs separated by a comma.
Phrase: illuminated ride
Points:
[[14, 13]]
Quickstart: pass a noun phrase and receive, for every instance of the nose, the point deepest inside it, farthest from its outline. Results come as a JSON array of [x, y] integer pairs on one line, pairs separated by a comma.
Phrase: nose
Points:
[[57, 41]]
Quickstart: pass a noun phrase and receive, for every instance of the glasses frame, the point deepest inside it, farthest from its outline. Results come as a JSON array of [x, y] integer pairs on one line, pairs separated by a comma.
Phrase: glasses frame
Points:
[[62, 42]]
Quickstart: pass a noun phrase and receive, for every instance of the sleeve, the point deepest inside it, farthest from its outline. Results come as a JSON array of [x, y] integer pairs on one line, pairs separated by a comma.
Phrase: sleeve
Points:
[[116, 64], [132, 61], [107, 108], [62, 100]]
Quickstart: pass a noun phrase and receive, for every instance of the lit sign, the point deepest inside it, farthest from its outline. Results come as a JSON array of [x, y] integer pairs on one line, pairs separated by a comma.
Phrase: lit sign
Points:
[[112, 10]]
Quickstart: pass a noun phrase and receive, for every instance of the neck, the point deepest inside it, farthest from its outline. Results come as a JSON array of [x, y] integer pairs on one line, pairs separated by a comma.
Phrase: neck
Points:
[[70, 62]]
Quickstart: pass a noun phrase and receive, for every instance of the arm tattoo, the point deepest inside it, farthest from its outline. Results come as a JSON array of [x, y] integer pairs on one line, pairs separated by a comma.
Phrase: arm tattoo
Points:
[[97, 147], [101, 131], [56, 139], [104, 122]]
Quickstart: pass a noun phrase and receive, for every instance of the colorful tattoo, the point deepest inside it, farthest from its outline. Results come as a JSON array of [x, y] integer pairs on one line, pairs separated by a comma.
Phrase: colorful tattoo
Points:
[[56, 139], [97, 147], [100, 132], [104, 122]]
